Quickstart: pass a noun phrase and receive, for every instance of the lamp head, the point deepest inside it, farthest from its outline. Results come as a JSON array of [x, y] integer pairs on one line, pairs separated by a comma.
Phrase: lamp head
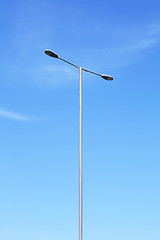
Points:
[[106, 77], [51, 53]]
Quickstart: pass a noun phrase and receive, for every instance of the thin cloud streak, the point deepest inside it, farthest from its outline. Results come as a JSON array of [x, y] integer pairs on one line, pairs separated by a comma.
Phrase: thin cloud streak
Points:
[[134, 48], [148, 39], [131, 47], [14, 116]]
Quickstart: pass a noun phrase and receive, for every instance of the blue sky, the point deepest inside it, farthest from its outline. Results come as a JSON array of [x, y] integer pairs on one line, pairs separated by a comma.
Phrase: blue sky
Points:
[[39, 120]]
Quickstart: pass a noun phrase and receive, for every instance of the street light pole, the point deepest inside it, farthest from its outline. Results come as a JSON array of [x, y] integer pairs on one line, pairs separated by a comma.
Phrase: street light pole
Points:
[[80, 153], [106, 77]]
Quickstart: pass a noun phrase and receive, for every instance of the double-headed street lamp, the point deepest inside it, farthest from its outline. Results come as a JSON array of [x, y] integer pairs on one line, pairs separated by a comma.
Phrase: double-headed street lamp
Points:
[[106, 77]]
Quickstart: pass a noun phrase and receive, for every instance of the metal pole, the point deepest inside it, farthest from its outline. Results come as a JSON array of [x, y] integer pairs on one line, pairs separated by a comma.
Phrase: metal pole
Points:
[[80, 153]]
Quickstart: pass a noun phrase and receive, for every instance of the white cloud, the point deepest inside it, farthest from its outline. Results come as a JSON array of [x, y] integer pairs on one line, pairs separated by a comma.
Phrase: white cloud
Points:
[[145, 40], [50, 75], [133, 47], [14, 116], [142, 44], [51, 69], [60, 69]]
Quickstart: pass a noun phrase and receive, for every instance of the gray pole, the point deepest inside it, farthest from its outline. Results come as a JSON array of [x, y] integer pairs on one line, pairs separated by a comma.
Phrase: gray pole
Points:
[[80, 153], [106, 77]]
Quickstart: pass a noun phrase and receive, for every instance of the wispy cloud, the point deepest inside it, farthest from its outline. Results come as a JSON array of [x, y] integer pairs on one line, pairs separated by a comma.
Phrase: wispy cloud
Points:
[[51, 69], [14, 116], [60, 69], [50, 75], [122, 48], [133, 47], [146, 40], [143, 44]]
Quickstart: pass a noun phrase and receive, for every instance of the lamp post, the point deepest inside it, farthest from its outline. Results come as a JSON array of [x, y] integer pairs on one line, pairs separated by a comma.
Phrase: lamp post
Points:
[[106, 77]]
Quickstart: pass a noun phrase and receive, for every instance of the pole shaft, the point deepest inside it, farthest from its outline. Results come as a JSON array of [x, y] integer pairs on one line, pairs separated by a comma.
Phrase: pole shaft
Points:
[[80, 153]]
